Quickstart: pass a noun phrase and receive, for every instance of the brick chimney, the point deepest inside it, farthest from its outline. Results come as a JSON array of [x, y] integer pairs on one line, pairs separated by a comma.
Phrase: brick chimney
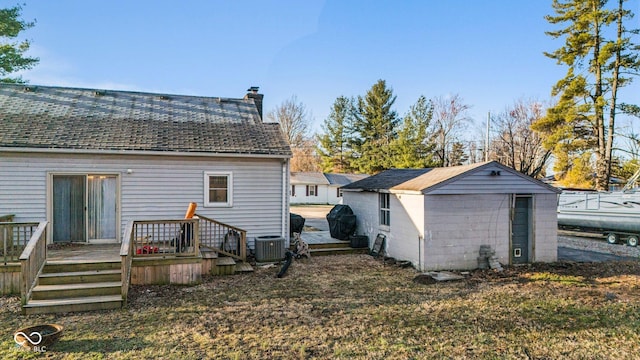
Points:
[[252, 93]]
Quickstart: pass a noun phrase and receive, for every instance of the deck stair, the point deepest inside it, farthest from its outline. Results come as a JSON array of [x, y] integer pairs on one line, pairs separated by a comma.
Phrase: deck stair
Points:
[[224, 265], [337, 247], [70, 285]]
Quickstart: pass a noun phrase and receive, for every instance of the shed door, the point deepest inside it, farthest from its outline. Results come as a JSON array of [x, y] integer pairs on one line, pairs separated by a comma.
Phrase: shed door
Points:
[[520, 230]]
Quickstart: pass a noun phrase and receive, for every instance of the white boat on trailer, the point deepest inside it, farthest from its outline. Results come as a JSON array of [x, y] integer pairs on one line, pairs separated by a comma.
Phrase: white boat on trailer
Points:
[[615, 214]]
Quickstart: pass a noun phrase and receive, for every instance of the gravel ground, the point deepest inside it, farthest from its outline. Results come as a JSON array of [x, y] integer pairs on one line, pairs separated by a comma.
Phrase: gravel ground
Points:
[[597, 244]]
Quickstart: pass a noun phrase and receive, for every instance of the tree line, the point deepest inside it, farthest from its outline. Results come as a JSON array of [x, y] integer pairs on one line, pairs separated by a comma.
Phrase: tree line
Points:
[[577, 129]]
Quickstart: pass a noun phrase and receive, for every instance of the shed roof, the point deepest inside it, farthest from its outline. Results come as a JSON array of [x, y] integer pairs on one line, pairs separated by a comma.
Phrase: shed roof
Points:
[[386, 179], [59, 118], [426, 180]]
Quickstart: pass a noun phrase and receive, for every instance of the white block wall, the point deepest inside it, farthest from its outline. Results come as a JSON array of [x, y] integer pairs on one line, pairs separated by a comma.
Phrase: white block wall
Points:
[[456, 226], [545, 232], [404, 241], [365, 207]]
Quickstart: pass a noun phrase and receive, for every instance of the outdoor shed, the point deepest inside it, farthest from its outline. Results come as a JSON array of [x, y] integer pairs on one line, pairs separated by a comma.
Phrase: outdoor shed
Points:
[[88, 161], [438, 218]]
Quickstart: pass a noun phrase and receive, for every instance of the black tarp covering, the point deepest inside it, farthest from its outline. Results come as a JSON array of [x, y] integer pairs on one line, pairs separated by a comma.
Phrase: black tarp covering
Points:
[[342, 222], [296, 223]]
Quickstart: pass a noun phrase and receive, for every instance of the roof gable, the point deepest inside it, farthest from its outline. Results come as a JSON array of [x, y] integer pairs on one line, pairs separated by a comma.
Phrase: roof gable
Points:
[[42, 117], [435, 177]]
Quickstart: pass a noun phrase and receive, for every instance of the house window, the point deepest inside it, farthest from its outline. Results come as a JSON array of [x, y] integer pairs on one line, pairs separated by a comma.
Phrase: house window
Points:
[[385, 211], [339, 192], [312, 190], [218, 189], [293, 190]]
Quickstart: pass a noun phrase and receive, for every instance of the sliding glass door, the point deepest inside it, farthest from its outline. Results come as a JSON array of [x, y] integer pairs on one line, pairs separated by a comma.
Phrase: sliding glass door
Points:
[[84, 208]]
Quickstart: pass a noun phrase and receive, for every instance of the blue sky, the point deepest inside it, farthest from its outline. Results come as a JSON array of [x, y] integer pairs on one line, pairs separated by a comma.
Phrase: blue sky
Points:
[[489, 52]]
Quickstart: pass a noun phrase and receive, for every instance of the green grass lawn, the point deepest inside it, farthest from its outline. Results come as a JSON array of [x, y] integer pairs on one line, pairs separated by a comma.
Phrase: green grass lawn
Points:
[[356, 307]]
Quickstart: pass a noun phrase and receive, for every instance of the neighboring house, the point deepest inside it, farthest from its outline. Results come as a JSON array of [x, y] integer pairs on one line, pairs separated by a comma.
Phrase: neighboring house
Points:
[[319, 188], [88, 161], [438, 218]]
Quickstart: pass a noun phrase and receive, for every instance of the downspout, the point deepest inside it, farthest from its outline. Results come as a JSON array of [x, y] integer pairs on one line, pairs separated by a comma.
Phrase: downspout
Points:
[[285, 197]]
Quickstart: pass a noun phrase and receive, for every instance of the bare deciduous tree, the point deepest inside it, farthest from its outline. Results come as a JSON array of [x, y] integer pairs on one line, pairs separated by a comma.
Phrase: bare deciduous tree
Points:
[[449, 120], [294, 120], [515, 144]]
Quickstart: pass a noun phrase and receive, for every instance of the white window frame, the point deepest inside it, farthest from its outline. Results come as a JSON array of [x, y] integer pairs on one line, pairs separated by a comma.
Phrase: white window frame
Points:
[[384, 210], [229, 202]]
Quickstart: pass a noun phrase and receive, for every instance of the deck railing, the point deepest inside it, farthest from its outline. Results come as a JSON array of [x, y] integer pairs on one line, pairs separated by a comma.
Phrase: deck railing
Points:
[[32, 260], [126, 254], [222, 238], [14, 238], [153, 238]]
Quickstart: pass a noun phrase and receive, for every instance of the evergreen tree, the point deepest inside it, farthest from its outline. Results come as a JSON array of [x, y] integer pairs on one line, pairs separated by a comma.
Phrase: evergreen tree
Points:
[[583, 120], [458, 154], [374, 130], [12, 57], [333, 147], [414, 146]]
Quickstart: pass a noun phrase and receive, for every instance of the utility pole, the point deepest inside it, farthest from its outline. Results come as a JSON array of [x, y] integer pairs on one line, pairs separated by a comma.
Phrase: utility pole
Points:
[[486, 145]]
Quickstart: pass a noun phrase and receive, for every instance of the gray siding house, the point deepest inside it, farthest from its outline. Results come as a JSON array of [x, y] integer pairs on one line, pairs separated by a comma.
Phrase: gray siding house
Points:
[[438, 218], [88, 161]]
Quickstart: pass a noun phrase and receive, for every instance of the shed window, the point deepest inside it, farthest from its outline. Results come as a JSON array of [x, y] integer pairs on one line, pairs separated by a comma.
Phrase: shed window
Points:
[[312, 190], [385, 211], [218, 189], [293, 190]]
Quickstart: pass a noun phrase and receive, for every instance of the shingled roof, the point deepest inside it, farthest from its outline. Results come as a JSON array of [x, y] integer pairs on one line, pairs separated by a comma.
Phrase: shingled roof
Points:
[[428, 179], [385, 180], [43, 117]]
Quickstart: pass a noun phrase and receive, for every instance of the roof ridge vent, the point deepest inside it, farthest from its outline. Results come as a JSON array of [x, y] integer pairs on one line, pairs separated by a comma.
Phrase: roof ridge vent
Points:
[[164, 97], [30, 88], [100, 93]]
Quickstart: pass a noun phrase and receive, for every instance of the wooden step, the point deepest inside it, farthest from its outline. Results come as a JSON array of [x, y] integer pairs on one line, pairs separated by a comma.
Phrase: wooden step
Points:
[[79, 265], [73, 304], [338, 251], [243, 267], [224, 266], [79, 277], [332, 245], [49, 292]]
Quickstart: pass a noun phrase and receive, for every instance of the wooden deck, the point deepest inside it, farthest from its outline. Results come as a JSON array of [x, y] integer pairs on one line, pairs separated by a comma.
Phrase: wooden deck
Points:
[[85, 252]]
